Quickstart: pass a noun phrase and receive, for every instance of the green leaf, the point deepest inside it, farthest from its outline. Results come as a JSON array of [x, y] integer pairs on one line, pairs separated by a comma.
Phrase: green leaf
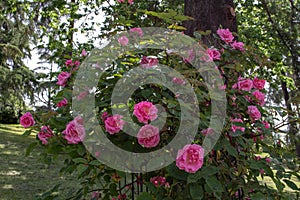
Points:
[[196, 191], [113, 189], [95, 163], [30, 148], [291, 184], [27, 133], [144, 196], [81, 168], [231, 150], [177, 173], [79, 160], [257, 196], [214, 184], [208, 171]]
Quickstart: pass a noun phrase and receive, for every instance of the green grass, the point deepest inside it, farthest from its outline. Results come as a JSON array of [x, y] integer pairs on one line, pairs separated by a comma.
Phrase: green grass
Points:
[[26, 177]]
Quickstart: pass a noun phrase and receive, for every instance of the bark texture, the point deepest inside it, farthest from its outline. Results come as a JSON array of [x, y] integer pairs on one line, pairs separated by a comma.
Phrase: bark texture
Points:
[[209, 15]]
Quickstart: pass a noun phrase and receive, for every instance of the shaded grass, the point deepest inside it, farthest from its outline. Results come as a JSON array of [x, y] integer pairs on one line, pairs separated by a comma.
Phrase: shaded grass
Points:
[[26, 177]]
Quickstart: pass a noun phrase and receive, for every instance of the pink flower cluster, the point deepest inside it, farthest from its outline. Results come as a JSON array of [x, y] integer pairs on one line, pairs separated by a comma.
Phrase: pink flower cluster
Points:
[[129, 1], [137, 31], [212, 55], [123, 41], [44, 134], [62, 103], [70, 63], [234, 127], [247, 84], [113, 124], [190, 158], [63, 78], [148, 136], [27, 120], [74, 132], [148, 62], [227, 37], [159, 181]]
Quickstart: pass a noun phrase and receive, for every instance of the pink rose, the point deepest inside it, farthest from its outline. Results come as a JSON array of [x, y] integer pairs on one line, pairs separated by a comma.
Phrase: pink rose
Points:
[[130, 1], [259, 96], [237, 45], [178, 81], [123, 41], [235, 127], [104, 116], [158, 181], [213, 54], [190, 158], [148, 136], [207, 131], [82, 95], [190, 58], [69, 63], [137, 31], [244, 84], [27, 120], [225, 35], [74, 132], [145, 111], [254, 112], [114, 124], [63, 78], [268, 160], [62, 103], [83, 53], [121, 1], [258, 83], [262, 171], [148, 62], [44, 134], [266, 124], [77, 63]]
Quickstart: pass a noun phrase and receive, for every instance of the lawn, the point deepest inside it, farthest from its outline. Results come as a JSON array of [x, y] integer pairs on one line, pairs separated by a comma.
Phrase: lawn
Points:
[[23, 177]]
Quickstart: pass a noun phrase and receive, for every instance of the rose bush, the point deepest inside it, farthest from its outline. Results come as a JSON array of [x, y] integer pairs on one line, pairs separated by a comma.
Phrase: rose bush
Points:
[[230, 171]]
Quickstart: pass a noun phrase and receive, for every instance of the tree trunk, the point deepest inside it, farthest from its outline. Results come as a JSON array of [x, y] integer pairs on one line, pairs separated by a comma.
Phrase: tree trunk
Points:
[[209, 15]]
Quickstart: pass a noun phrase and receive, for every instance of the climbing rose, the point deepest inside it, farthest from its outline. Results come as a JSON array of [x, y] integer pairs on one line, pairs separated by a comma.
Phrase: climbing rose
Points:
[[235, 127], [44, 134], [237, 45], [267, 125], [259, 97], [148, 62], [130, 1], [148, 136], [213, 54], [258, 83], [225, 35], [27, 120], [190, 158], [145, 111], [62, 103], [254, 112], [158, 181], [123, 41], [63, 78], [114, 124], [74, 132], [83, 53], [244, 84], [82, 95], [178, 81], [77, 63], [207, 131], [137, 30], [69, 63]]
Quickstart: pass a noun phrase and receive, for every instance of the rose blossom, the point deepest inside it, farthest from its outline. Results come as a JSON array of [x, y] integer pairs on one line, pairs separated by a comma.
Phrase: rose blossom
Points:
[[104, 116], [83, 53], [148, 136], [69, 63], [74, 132], [121, 1], [145, 111], [82, 95], [62, 103], [237, 45], [258, 83], [27, 120], [158, 181], [130, 1], [63, 78], [137, 31], [178, 81], [77, 63], [225, 35], [148, 62], [190, 158], [190, 58], [268, 160], [44, 134], [259, 96], [123, 41], [114, 124], [244, 84], [254, 112], [207, 131], [235, 127], [266, 124], [213, 54]]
